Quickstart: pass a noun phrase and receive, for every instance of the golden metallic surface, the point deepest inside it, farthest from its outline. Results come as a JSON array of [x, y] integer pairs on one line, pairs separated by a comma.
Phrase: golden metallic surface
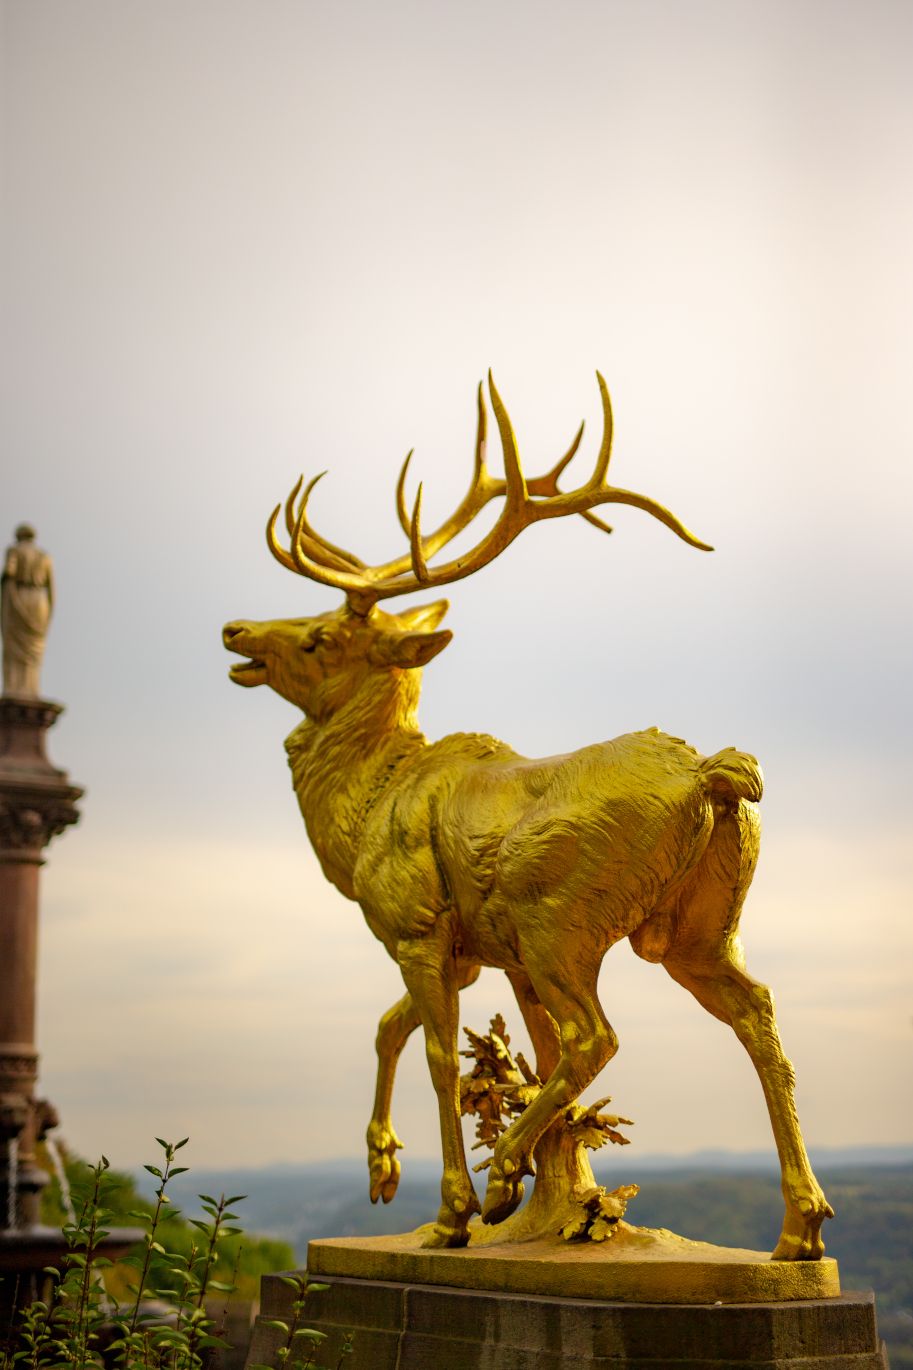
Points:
[[641, 1266], [464, 854]]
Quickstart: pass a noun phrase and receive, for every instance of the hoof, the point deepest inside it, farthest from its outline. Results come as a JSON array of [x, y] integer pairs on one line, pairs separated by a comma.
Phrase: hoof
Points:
[[791, 1248], [437, 1235], [503, 1195], [383, 1166], [801, 1238]]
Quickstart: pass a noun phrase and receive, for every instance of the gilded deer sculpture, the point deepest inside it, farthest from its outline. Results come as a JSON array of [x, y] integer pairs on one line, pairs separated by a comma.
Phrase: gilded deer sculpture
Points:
[[463, 854]]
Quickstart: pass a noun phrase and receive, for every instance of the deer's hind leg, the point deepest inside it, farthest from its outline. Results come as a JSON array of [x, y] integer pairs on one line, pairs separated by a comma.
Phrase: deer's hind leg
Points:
[[567, 992], [541, 1026], [706, 957]]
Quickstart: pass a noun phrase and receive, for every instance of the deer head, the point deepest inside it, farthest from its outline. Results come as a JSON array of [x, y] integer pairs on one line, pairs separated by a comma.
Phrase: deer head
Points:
[[320, 663]]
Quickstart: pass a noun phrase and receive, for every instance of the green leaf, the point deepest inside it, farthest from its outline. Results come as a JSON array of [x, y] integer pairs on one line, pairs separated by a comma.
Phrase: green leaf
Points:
[[154, 1170], [178, 1145], [235, 1199], [275, 1323]]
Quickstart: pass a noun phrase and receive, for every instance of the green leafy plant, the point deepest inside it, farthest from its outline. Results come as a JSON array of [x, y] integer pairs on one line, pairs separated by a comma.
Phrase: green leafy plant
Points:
[[153, 1310], [301, 1342]]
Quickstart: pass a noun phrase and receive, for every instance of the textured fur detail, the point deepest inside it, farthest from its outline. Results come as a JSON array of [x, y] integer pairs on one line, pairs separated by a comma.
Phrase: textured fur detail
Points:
[[733, 775]]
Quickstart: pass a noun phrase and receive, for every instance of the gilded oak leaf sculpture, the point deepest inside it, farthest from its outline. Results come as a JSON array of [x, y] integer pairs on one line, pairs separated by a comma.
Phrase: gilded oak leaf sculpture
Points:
[[566, 1199], [464, 854]]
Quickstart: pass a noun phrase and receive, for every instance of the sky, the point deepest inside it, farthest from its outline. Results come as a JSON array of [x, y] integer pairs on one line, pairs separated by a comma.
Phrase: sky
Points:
[[245, 240]]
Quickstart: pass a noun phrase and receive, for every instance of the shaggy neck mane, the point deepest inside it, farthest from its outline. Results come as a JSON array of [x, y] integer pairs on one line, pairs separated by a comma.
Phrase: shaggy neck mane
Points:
[[342, 764]]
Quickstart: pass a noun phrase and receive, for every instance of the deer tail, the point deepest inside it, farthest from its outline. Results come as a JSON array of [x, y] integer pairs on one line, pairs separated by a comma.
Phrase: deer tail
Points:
[[733, 775]]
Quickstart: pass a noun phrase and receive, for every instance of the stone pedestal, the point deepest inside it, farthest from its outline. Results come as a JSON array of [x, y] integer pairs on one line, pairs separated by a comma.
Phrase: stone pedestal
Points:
[[399, 1326]]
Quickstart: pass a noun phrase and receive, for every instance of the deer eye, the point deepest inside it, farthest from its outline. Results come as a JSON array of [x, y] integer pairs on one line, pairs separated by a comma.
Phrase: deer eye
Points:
[[316, 639]]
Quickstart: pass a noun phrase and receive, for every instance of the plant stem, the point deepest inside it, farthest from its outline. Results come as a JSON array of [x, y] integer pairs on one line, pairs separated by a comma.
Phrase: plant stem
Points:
[[150, 1236]]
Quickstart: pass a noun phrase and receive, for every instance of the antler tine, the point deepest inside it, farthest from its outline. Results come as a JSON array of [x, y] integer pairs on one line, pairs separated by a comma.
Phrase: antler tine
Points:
[[326, 551], [608, 431], [309, 556], [479, 467], [595, 520], [515, 492], [548, 484], [518, 511], [275, 546], [419, 565], [482, 488], [290, 504], [596, 491], [402, 512]]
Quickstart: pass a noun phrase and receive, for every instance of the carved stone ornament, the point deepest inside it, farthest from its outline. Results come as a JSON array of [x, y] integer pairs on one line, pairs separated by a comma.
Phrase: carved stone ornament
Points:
[[28, 826]]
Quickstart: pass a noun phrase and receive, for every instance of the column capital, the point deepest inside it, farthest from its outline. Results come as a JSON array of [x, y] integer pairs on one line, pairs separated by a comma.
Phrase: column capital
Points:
[[37, 801]]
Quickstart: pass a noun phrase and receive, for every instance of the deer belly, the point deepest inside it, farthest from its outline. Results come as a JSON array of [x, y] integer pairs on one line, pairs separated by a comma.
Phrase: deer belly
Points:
[[491, 938]]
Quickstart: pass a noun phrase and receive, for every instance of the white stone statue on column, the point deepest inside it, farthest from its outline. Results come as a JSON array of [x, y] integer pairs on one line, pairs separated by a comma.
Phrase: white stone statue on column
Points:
[[26, 601]]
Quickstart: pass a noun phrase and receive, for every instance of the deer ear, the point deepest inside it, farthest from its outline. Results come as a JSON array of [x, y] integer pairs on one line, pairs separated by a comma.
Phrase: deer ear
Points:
[[425, 617], [409, 650]]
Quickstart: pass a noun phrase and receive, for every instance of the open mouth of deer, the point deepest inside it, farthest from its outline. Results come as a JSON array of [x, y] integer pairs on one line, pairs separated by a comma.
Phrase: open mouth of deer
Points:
[[252, 672], [248, 672]]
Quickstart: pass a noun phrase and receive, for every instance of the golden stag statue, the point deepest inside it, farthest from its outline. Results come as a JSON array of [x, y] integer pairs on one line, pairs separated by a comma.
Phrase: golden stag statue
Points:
[[463, 854]]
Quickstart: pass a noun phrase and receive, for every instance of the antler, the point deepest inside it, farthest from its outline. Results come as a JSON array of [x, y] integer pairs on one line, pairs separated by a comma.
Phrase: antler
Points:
[[525, 503]]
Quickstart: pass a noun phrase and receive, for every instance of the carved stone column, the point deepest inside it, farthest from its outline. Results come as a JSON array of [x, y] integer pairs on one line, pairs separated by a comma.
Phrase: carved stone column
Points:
[[37, 802]]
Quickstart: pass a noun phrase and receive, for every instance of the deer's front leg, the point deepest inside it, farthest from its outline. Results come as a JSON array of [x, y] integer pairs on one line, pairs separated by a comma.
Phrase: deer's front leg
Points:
[[433, 980], [393, 1032], [558, 991]]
